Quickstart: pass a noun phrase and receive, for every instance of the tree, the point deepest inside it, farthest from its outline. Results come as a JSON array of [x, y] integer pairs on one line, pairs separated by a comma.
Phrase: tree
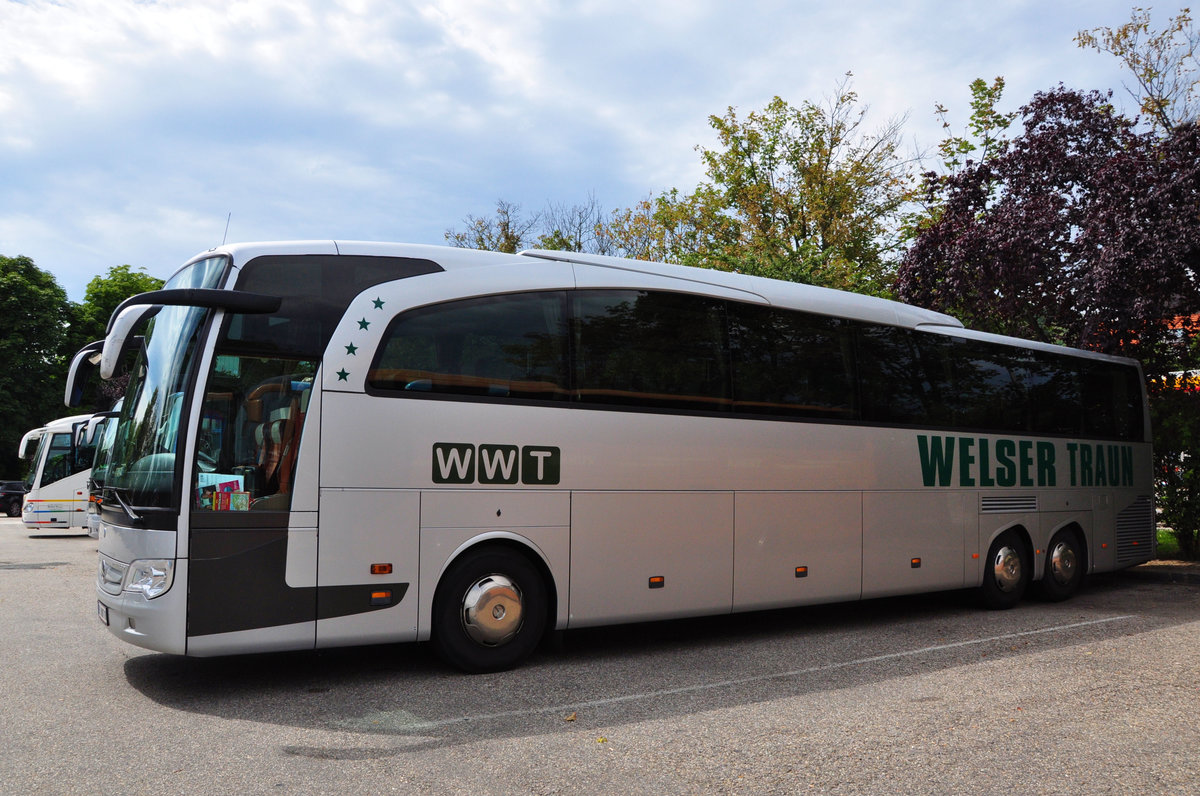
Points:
[[33, 317], [1163, 64], [805, 194], [1044, 239], [576, 228], [1175, 414], [508, 231], [1080, 231], [983, 138], [657, 228], [89, 321], [985, 128], [633, 232], [799, 193], [1014, 226], [102, 295]]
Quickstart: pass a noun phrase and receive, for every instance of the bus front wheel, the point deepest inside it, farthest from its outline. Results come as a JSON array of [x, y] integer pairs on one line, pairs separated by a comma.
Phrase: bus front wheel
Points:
[[489, 611], [1006, 572]]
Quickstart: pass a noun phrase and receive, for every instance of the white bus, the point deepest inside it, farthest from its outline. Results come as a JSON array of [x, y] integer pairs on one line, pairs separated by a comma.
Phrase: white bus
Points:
[[99, 433], [331, 443], [56, 502]]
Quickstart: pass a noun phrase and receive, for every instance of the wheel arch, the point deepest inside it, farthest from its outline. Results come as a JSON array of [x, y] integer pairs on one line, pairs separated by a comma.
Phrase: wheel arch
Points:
[[1022, 532], [506, 540], [1063, 567], [1085, 543]]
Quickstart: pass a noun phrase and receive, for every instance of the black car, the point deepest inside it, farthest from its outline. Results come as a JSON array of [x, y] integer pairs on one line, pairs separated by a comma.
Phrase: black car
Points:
[[12, 493]]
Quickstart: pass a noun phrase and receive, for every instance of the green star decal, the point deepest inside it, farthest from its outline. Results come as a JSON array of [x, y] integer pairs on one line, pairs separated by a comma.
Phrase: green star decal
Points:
[[364, 324], [352, 350], [343, 375], [378, 303]]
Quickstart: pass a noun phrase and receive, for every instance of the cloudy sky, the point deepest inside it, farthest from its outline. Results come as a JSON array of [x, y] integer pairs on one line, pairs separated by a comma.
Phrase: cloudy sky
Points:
[[130, 130]]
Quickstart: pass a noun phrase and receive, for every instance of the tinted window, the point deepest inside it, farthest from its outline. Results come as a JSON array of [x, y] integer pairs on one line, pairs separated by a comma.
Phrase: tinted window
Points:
[[791, 363], [1051, 391], [501, 346], [316, 289], [916, 378], [249, 434], [683, 352], [258, 389], [651, 349], [903, 379], [1112, 401]]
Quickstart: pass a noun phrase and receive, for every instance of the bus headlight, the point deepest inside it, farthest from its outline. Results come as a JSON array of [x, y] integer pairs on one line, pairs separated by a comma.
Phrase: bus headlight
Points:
[[150, 577]]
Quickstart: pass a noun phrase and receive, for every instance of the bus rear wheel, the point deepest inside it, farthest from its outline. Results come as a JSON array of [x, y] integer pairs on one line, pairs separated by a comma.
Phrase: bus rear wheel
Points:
[[1065, 565], [489, 611], [1005, 572]]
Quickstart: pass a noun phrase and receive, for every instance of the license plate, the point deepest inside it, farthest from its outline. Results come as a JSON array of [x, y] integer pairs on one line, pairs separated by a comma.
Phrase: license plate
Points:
[[102, 612]]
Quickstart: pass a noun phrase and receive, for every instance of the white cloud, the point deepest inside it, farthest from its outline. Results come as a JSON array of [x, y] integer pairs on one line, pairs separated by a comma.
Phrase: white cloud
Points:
[[130, 129]]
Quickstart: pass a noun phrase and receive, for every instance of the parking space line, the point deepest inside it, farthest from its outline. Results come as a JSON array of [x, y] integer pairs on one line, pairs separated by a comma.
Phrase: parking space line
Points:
[[420, 726]]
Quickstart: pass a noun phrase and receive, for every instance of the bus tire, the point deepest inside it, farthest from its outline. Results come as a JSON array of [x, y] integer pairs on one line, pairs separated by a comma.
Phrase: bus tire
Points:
[[1005, 572], [1066, 562], [489, 610]]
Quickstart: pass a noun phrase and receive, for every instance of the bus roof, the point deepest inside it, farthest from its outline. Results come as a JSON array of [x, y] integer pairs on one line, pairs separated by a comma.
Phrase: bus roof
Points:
[[59, 425], [792, 295], [820, 300]]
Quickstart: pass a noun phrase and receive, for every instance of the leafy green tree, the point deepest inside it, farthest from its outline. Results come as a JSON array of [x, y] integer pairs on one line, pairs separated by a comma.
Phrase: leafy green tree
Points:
[[102, 295], [1164, 64], [650, 230], [33, 316], [805, 194], [802, 193], [89, 321], [984, 137], [986, 127], [1175, 414]]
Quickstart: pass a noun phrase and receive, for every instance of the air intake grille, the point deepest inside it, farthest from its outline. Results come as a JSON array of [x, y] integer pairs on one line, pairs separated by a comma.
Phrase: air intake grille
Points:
[[1007, 504], [1135, 532]]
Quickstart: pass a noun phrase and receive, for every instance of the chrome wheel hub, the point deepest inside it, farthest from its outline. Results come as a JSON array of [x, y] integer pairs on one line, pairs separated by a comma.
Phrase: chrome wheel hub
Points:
[[1063, 563], [491, 610], [1006, 567]]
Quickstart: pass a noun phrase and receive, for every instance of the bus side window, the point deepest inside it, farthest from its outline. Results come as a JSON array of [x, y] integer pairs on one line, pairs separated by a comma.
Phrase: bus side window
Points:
[[651, 349], [511, 346], [791, 363]]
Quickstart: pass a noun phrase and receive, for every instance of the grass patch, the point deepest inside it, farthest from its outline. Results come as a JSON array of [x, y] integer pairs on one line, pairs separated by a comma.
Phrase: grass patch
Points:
[[1168, 546]]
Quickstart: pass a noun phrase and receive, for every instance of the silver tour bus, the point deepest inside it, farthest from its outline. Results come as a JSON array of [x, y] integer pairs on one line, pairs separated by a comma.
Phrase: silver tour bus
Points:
[[331, 443]]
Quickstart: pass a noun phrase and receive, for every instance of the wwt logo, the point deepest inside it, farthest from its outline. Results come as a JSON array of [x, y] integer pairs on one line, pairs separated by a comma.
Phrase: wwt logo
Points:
[[464, 463]]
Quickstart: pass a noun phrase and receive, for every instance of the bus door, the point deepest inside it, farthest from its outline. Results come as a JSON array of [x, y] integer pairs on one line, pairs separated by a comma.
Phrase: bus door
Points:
[[252, 540]]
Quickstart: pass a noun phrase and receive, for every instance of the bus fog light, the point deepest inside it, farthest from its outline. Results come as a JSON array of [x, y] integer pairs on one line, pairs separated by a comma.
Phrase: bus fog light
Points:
[[150, 577]]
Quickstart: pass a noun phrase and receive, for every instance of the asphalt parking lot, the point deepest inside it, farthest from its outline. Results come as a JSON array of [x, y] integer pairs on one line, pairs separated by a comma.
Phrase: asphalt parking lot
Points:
[[917, 695]]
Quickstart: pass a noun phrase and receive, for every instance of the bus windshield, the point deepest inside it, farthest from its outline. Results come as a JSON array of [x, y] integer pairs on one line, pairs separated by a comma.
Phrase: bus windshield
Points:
[[43, 441], [142, 458]]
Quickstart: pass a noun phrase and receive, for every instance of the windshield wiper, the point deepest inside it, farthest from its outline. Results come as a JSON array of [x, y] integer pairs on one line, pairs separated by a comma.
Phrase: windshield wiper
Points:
[[133, 515]]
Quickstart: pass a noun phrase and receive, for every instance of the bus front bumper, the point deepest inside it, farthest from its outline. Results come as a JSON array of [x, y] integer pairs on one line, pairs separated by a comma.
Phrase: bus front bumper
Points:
[[156, 624]]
